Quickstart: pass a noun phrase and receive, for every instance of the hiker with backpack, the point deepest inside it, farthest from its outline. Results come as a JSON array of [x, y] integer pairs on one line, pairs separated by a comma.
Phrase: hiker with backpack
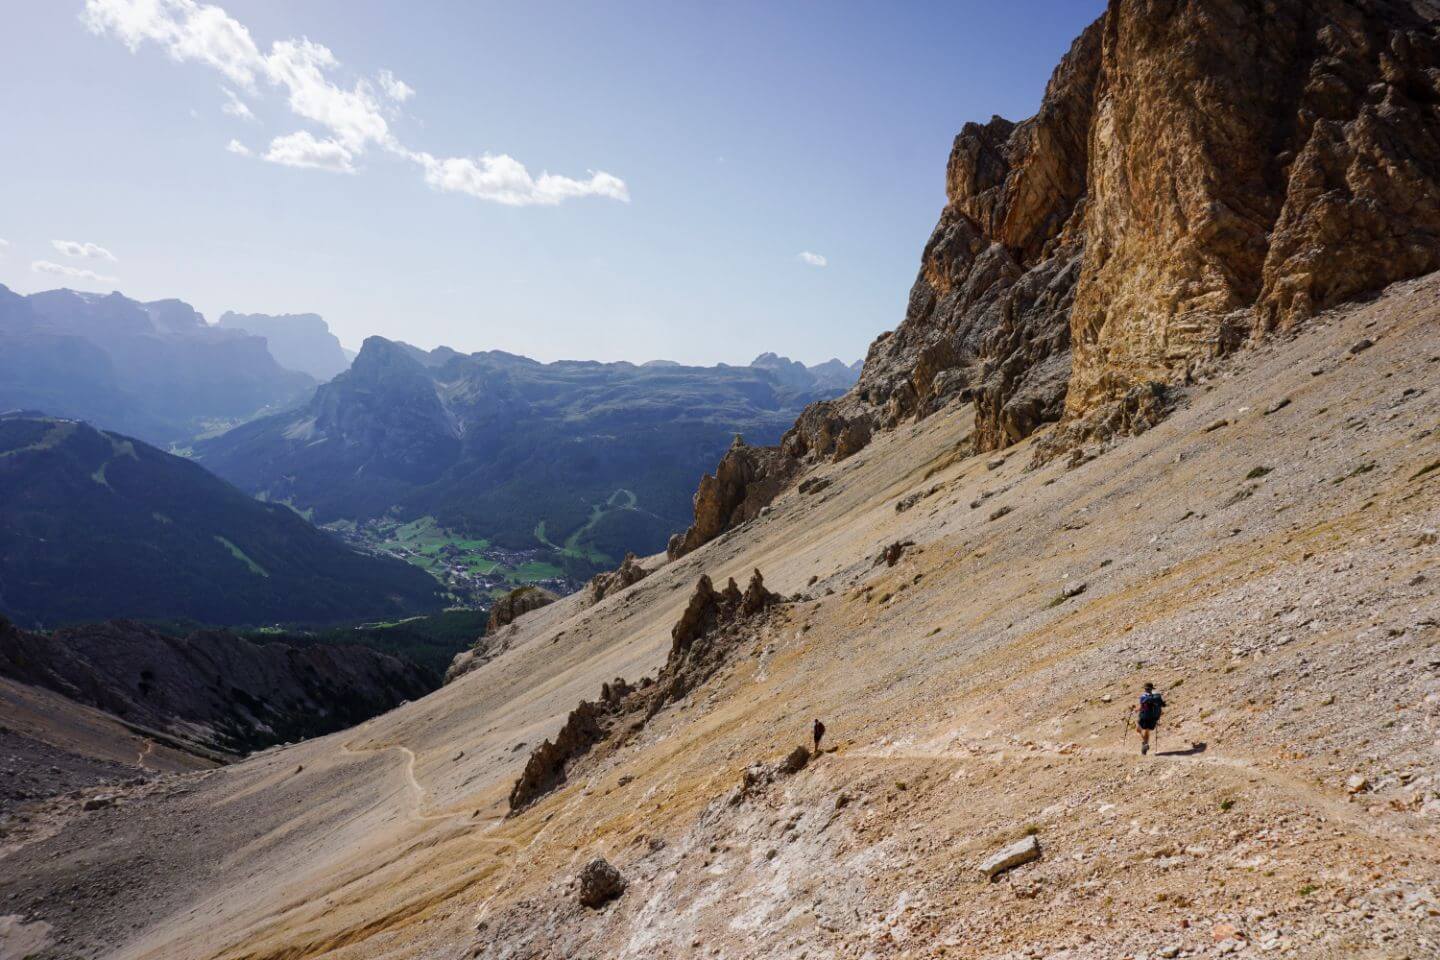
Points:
[[1147, 715]]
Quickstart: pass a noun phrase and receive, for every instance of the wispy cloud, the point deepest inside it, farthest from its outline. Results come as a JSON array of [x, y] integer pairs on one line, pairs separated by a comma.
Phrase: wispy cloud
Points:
[[69, 272], [235, 146], [813, 259], [302, 149], [4, 244], [395, 88], [503, 179], [83, 250], [236, 107], [353, 119]]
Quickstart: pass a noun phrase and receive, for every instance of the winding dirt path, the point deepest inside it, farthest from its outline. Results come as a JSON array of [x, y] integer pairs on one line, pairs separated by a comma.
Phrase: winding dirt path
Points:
[[1364, 821], [418, 814]]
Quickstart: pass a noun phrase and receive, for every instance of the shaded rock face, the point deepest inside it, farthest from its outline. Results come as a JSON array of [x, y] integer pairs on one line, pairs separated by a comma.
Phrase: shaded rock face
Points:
[[603, 585], [516, 603], [702, 640], [746, 480], [212, 687], [1199, 173]]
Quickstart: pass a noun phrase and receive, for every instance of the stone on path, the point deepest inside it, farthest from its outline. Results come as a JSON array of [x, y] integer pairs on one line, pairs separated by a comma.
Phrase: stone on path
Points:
[[1008, 858]]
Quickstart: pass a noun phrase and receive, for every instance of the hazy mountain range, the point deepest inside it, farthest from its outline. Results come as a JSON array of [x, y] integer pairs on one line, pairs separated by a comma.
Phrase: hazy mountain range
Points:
[[567, 466], [154, 370], [600, 457]]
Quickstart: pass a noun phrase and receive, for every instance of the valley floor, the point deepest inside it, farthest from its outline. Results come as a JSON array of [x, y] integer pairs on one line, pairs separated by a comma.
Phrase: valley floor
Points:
[[1267, 556]]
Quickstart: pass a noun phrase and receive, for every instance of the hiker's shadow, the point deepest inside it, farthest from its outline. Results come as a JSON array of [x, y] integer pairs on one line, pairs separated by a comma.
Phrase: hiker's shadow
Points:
[[1197, 747]]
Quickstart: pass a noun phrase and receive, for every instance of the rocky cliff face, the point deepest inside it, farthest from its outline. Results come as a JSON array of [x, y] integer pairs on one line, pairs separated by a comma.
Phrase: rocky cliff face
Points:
[[988, 315], [746, 479], [297, 341], [1250, 165], [153, 370], [1200, 173], [516, 604]]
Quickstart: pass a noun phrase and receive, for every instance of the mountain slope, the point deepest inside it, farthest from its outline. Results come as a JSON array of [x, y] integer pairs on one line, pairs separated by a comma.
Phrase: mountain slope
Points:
[[1255, 531], [1287, 616], [152, 370], [497, 445], [211, 687], [95, 525]]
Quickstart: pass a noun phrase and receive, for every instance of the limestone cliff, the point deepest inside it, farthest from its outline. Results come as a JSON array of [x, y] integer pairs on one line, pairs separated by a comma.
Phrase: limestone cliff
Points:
[[1200, 173], [1250, 165]]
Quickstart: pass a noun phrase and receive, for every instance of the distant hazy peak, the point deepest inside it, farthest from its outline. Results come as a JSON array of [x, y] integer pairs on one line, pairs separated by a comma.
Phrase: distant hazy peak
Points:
[[174, 316], [297, 341], [831, 374]]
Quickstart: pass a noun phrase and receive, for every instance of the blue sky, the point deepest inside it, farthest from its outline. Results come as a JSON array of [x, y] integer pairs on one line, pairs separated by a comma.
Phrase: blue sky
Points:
[[695, 152]]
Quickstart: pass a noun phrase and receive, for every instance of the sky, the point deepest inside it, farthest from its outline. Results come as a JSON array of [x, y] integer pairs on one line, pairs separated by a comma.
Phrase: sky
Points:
[[698, 182]]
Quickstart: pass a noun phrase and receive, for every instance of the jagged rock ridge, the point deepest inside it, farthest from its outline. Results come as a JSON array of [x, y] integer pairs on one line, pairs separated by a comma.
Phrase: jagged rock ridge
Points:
[[746, 479], [702, 639]]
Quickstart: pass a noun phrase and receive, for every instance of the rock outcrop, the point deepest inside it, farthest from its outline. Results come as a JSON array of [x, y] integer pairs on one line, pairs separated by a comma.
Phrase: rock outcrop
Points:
[[516, 603], [600, 883], [603, 585], [746, 480], [1198, 174], [704, 637]]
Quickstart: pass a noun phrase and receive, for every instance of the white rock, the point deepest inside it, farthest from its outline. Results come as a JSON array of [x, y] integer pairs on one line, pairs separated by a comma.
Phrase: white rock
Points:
[[1008, 858]]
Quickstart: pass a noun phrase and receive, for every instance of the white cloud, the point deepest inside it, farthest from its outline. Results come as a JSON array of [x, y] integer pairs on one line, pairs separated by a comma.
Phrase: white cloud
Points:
[[70, 273], [3, 245], [186, 29], [84, 251], [504, 180], [395, 88], [354, 120], [813, 259], [352, 116], [236, 107], [235, 146], [301, 149]]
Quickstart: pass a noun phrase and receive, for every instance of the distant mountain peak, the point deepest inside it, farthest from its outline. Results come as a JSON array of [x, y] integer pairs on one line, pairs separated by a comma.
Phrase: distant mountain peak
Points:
[[297, 341]]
